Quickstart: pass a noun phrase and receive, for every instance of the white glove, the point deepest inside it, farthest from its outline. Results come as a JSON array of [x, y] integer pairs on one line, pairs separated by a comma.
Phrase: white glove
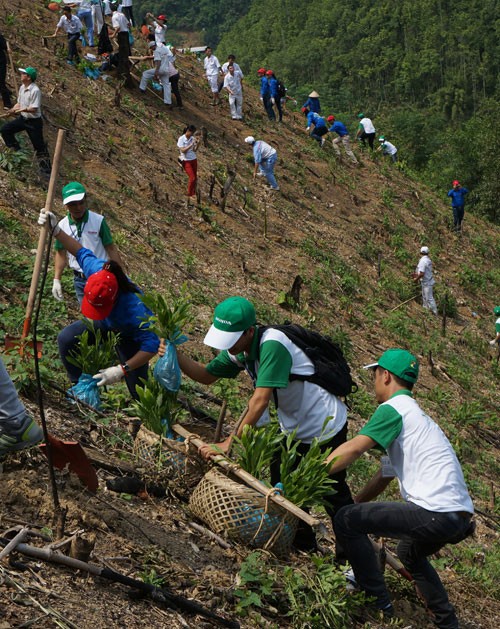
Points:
[[111, 375], [493, 342], [273, 101], [262, 100], [51, 218], [57, 292]]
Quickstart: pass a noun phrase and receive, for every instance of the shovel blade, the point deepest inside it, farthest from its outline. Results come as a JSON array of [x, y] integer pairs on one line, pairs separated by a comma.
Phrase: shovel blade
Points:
[[20, 344], [72, 454]]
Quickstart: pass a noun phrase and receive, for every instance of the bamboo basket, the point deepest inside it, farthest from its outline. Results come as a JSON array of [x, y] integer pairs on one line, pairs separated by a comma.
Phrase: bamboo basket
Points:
[[243, 514], [167, 460]]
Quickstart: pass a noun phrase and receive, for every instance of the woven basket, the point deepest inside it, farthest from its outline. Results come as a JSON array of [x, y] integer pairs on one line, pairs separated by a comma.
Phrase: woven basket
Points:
[[166, 460], [242, 513]]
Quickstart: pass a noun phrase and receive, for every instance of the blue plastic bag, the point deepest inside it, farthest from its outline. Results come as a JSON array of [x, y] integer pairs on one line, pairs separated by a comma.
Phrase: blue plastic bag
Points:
[[167, 371], [86, 390]]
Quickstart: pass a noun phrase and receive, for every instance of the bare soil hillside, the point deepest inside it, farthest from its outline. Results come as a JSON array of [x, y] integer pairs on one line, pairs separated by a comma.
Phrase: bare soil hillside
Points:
[[352, 234]]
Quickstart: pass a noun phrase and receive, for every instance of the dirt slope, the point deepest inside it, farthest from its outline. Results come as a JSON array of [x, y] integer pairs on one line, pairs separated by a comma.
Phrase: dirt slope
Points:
[[352, 234]]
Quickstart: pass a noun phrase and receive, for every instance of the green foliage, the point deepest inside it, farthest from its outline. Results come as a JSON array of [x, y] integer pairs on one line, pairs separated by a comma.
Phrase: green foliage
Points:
[[256, 449], [94, 350], [14, 161], [255, 582], [150, 576], [155, 406], [167, 321]]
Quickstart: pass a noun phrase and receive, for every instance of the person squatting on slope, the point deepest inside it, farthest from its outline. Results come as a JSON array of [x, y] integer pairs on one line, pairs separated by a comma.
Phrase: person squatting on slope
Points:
[[270, 358], [388, 149], [233, 85], [436, 508], [366, 131], [342, 137], [28, 112], [265, 158], [92, 232], [162, 58], [457, 194], [424, 274], [17, 429], [113, 303], [188, 144], [318, 124], [72, 26]]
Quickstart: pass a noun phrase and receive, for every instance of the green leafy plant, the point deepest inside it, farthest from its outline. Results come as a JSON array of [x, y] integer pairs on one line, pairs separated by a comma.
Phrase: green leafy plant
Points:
[[14, 161], [91, 355], [255, 581], [155, 407], [152, 577], [167, 320], [256, 448]]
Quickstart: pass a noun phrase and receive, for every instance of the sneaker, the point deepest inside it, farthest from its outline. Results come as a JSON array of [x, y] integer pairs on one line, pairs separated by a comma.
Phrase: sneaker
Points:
[[260, 173], [275, 189], [351, 583], [29, 435], [322, 142]]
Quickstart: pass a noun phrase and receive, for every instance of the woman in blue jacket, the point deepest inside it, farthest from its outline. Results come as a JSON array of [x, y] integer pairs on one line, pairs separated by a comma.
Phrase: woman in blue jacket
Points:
[[113, 303]]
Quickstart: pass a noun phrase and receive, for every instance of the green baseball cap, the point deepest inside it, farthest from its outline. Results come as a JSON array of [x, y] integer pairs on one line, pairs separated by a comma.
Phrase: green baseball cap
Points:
[[496, 310], [31, 72], [231, 318], [72, 192], [399, 362], [361, 115]]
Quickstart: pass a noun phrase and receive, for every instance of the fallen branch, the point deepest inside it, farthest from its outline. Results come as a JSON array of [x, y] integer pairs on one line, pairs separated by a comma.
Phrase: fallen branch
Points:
[[18, 539], [209, 533], [404, 302], [159, 595]]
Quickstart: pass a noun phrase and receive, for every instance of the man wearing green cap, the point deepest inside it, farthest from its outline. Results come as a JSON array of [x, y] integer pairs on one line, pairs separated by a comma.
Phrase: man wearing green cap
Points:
[[437, 508], [271, 359], [28, 112], [496, 340], [92, 232]]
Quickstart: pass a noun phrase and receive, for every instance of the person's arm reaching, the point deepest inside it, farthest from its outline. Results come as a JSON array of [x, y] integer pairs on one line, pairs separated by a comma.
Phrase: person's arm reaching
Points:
[[348, 452], [60, 261]]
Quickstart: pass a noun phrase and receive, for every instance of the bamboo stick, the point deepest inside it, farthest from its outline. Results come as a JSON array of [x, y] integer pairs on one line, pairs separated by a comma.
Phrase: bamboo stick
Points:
[[250, 480]]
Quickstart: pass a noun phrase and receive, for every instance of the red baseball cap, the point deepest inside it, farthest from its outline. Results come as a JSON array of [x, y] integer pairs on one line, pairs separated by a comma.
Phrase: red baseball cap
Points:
[[331, 118], [261, 71], [162, 17], [456, 183], [269, 72], [100, 295]]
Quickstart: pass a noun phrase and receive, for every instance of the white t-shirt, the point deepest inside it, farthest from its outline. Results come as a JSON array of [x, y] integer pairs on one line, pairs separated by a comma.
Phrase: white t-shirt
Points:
[[211, 65], [119, 21], [160, 32], [425, 266], [164, 56], [28, 97], [388, 148], [126, 3], [425, 463], [367, 125], [182, 142], [235, 66], [233, 83], [70, 26]]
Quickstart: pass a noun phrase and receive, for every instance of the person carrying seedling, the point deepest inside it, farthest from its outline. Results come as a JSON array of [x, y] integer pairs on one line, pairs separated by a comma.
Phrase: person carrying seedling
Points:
[[113, 303], [436, 509], [279, 370]]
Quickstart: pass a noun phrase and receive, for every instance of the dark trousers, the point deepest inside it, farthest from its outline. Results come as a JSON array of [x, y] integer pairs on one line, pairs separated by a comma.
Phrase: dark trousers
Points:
[[305, 538], [123, 57], [34, 129], [268, 106], [367, 136], [72, 49], [129, 14], [422, 533], [4, 90], [458, 216], [67, 341], [318, 132], [279, 108], [174, 82]]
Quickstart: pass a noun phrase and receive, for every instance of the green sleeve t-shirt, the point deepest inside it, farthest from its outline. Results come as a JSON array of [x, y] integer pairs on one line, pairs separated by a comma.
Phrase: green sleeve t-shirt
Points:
[[385, 424]]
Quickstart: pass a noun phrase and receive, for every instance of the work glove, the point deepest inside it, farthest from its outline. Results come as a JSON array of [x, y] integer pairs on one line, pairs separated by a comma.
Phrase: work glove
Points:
[[51, 219], [493, 342], [111, 375], [273, 101], [57, 292], [261, 99]]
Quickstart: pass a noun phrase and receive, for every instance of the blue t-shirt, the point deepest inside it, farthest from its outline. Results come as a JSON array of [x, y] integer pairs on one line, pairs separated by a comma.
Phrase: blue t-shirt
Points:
[[339, 127], [273, 83], [128, 314], [265, 88], [313, 104], [457, 196], [315, 119]]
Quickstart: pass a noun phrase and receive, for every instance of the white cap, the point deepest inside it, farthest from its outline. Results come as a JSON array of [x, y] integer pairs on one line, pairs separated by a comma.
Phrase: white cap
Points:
[[250, 139], [424, 250]]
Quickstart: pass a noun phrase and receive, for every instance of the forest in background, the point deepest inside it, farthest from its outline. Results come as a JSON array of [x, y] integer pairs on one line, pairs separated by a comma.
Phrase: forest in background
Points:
[[427, 73]]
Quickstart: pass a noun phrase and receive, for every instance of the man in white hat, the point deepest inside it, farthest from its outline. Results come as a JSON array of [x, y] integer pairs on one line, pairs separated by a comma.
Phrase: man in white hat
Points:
[[91, 231], [424, 274]]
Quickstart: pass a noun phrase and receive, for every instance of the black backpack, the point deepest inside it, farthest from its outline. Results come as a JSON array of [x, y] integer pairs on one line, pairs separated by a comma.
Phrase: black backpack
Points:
[[331, 371], [281, 89]]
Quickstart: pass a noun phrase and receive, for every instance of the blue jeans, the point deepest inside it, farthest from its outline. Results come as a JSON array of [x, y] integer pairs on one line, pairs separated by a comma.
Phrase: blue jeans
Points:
[[68, 339], [79, 284], [267, 167], [12, 411], [86, 17], [422, 533], [72, 49]]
